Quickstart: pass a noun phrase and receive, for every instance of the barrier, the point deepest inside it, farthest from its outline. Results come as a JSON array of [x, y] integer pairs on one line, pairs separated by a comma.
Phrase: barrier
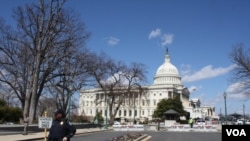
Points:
[[186, 127], [128, 127]]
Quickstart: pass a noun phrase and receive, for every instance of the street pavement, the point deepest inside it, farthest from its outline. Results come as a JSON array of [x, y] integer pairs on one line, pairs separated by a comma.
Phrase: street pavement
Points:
[[38, 136], [41, 135]]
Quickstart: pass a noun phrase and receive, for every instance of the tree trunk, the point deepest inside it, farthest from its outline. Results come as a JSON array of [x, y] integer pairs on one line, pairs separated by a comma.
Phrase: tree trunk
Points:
[[34, 88], [26, 105]]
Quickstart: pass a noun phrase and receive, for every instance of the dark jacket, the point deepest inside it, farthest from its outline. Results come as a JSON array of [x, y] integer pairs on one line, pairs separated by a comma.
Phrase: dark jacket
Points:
[[60, 129]]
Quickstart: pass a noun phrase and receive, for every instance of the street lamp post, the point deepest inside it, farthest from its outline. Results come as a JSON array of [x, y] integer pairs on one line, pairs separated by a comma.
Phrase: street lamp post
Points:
[[69, 103], [225, 99], [134, 122], [106, 113], [220, 116], [69, 108], [244, 114]]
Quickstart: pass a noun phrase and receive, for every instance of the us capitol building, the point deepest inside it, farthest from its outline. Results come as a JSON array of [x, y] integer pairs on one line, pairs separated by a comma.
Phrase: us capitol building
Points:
[[167, 84]]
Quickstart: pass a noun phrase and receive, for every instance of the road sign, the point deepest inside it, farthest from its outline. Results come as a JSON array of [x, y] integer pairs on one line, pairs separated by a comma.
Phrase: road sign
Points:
[[45, 122]]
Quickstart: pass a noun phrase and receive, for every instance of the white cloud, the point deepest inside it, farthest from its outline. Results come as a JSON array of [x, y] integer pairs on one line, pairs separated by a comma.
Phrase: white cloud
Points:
[[192, 89], [167, 39], [112, 79], [154, 33], [185, 69], [112, 41], [207, 72], [238, 91], [117, 77]]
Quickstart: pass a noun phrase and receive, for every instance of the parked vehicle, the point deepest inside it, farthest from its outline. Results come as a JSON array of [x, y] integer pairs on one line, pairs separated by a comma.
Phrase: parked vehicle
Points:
[[200, 121], [247, 122], [241, 122], [9, 123], [117, 123]]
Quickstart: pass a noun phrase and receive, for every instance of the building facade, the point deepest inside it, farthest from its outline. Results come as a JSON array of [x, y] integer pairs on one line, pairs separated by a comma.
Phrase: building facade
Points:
[[167, 84]]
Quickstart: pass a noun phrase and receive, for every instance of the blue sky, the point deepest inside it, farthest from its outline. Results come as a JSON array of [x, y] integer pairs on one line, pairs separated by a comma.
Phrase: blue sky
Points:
[[199, 36]]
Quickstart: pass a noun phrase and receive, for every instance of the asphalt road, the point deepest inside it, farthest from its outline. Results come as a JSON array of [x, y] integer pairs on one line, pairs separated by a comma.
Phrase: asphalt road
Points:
[[153, 136]]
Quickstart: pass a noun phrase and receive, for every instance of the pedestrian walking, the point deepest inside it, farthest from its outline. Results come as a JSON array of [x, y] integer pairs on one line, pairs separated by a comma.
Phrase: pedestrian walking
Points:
[[191, 122], [61, 129], [26, 124]]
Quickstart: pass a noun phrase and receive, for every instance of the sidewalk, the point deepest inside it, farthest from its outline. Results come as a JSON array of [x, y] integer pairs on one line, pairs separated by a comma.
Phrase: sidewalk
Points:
[[41, 135]]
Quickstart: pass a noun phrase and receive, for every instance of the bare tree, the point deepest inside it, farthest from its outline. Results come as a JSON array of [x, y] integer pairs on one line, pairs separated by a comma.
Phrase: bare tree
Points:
[[15, 62], [117, 81], [9, 96], [75, 77], [241, 57], [46, 34]]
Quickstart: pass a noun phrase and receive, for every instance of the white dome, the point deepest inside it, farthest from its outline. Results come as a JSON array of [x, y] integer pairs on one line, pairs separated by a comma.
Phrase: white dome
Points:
[[167, 69], [167, 73]]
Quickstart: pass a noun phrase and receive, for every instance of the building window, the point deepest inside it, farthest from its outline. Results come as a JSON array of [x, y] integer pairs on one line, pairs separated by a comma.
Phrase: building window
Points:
[[169, 94], [154, 102], [148, 102], [125, 113], [143, 112], [130, 113], [120, 112], [135, 113], [143, 103], [127, 102]]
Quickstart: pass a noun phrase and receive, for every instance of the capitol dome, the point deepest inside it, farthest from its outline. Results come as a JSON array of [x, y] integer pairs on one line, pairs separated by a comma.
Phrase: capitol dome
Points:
[[167, 73]]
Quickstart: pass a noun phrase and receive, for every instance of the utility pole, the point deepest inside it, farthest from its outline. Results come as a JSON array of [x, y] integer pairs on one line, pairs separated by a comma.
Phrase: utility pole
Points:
[[225, 99]]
